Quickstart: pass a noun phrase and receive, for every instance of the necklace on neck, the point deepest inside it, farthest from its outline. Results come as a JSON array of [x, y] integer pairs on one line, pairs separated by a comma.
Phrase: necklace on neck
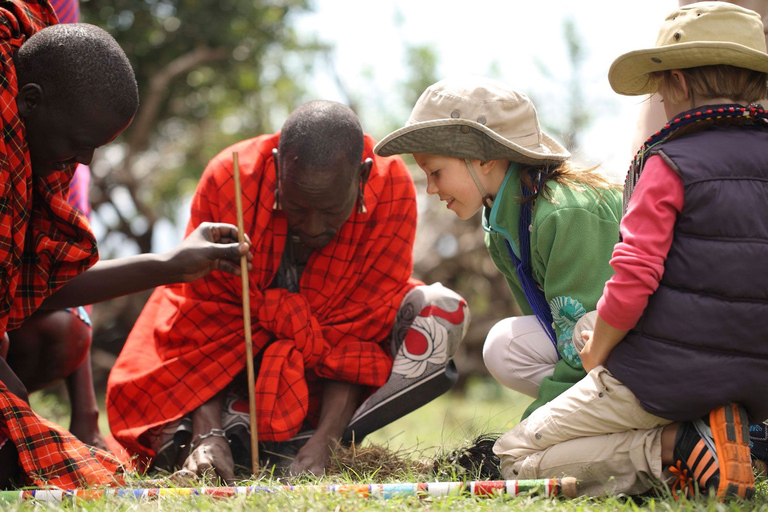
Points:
[[688, 122]]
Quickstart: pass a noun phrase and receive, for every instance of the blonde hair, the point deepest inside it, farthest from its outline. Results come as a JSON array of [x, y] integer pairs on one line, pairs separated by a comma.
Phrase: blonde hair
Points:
[[720, 81], [570, 175]]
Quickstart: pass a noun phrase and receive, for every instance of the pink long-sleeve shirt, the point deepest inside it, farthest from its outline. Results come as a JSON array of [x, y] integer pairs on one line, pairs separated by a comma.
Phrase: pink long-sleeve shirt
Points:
[[646, 231]]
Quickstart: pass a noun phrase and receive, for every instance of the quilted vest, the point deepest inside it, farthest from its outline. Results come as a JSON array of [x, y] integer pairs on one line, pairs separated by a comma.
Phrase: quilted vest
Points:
[[702, 341]]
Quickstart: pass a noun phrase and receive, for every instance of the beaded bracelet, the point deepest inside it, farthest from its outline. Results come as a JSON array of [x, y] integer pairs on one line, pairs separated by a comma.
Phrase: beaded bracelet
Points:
[[215, 432]]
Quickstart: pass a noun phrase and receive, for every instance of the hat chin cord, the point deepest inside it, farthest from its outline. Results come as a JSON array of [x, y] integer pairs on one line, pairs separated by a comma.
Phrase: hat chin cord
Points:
[[487, 198]]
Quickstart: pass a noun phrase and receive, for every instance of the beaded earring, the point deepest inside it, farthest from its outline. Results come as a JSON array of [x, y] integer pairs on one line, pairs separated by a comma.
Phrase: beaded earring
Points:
[[361, 199], [276, 205], [361, 196]]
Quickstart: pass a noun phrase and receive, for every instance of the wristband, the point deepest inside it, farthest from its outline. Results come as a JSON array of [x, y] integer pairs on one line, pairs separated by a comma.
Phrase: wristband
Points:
[[215, 432]]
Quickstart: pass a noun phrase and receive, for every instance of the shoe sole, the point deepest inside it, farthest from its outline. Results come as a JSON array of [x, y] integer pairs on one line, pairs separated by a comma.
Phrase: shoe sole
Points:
[[730, 431]]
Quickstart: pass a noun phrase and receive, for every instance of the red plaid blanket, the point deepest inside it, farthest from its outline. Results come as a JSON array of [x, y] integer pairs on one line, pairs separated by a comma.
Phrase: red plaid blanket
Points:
[[44, 242], [188, 342], [50, 456]]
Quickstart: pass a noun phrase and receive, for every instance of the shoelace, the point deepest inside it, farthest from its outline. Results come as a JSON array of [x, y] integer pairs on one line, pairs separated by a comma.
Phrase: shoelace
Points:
[[683, 481]]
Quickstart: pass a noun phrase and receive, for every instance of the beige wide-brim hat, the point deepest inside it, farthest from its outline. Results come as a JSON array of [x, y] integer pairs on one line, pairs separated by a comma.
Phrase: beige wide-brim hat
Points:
[[700, 34], [477, 119]]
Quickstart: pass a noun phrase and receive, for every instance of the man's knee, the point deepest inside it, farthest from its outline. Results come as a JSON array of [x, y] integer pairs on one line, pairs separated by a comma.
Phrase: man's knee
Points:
[[48, 347], [431, 317]]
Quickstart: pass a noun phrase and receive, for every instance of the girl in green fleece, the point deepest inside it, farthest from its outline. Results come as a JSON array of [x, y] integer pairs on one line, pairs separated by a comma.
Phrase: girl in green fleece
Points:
[[550, 227]]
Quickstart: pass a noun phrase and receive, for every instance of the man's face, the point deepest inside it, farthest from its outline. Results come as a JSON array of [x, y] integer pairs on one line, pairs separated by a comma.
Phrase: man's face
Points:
[[57, 139], [319, 202]]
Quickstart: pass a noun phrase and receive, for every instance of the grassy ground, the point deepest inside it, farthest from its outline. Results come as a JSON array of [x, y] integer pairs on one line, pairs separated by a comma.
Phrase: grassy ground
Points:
[[443, 424]]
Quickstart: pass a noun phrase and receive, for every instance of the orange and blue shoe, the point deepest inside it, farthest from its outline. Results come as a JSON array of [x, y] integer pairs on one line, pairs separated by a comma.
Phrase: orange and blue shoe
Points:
[[712, 455], [758, 442]]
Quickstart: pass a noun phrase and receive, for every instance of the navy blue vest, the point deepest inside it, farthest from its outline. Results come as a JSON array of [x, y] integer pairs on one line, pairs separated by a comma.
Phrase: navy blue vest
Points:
[[703, 338]]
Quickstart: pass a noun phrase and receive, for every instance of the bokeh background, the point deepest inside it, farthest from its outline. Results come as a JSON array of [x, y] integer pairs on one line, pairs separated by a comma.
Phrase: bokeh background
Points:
[[212, 72]]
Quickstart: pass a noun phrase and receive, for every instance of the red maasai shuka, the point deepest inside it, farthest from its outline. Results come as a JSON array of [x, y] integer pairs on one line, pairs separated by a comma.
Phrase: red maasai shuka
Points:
[[188, 344], [49, 455], [44, 242]]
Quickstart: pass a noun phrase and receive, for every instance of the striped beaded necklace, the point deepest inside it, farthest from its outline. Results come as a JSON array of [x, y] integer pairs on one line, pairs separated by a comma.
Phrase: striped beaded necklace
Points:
[[688, 122]]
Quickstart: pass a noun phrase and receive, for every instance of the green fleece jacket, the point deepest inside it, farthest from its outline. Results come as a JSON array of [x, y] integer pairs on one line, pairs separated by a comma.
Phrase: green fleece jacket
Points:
[[572, 238]]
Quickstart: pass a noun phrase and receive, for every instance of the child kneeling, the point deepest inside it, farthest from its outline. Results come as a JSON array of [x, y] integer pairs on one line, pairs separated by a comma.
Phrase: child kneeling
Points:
[[679, 350]]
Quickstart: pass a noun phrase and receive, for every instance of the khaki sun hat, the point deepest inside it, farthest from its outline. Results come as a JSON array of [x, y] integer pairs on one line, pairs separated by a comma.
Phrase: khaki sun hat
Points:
[[700, 34], [477, 119]]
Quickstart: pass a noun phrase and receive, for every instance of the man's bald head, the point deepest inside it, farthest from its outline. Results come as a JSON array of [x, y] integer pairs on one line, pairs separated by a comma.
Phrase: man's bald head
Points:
[[76, 92], [321, 173], [319, 135], [79, 66]]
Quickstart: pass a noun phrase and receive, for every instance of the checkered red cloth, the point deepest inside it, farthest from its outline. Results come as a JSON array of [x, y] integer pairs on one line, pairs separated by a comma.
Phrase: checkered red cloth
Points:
[[44, 242], [188, 343], [50, 456]]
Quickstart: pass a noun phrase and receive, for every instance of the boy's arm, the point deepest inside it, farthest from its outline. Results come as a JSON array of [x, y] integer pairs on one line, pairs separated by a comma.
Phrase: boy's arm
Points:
[[647, 231], [599, 344]]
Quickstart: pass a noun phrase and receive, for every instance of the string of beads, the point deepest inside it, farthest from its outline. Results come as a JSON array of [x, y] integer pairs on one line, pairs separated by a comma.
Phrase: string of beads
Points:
[[686, 123]]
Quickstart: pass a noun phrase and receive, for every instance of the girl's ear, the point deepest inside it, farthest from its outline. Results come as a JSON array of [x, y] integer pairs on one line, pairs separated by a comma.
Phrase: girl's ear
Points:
[[678, 81], [488, 166]]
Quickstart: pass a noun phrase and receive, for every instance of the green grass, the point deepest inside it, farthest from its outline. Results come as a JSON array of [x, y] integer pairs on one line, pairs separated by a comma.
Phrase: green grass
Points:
[[445, 423], [453, 418]]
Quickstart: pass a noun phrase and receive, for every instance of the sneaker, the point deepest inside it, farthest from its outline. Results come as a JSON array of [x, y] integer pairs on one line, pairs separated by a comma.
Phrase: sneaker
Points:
[[758, 443], [712, 454]]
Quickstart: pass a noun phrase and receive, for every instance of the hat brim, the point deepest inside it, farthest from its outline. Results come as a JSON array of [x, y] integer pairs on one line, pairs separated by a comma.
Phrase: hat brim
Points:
[[630, 73], [461, 138]]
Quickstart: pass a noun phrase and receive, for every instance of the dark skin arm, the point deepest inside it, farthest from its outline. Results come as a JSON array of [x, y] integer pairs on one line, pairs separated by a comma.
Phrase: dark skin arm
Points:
[[11, 381], [211, 246], [340, 400], [84, 417]]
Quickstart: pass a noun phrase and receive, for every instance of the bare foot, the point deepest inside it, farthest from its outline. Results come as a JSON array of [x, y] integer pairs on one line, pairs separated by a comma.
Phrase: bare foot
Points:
[[212, 458]]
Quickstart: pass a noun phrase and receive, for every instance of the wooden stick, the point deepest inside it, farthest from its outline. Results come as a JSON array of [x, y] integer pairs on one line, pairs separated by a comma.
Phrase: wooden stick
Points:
[[247, 321]]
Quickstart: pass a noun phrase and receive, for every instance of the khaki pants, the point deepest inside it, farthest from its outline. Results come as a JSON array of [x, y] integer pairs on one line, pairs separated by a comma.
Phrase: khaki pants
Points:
[[519, 354], [597, 431]]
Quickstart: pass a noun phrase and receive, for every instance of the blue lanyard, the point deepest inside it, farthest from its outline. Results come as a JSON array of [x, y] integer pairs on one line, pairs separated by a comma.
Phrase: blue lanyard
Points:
[[533, 293]]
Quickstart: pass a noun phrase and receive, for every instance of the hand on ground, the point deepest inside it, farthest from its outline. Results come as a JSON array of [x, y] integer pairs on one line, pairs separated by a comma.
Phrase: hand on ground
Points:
[[212, 458], [312, 458]]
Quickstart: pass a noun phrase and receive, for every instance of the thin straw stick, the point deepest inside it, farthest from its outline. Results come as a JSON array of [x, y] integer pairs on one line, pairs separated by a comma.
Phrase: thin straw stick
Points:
[[247, 321]]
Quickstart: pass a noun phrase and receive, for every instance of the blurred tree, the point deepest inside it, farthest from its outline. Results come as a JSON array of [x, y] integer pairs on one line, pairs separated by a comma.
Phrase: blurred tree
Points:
[[210, 72], [421, 64], [569, 117]]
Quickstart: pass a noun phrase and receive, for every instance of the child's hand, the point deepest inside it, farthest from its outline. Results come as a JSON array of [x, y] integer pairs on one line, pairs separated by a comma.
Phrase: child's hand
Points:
[[599, 344], [589, 358]]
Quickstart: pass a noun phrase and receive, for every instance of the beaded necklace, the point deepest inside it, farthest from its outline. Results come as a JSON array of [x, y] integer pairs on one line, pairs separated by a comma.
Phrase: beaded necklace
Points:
[[688, 122]]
